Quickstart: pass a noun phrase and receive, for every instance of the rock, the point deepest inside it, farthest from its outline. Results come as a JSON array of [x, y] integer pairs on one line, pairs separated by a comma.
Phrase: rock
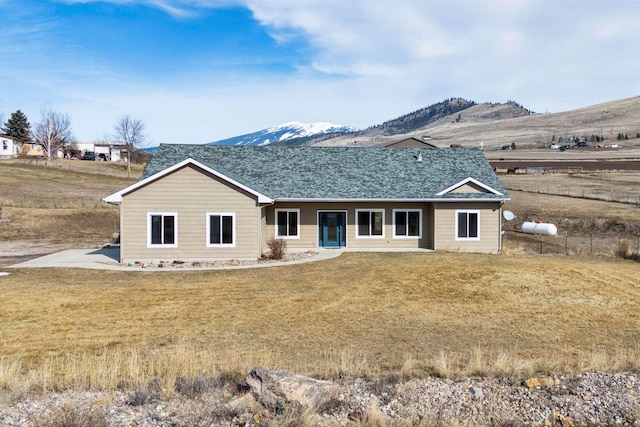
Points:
[[274, 389], [549, 381], [476, 393], [245, 403], [532, 383]]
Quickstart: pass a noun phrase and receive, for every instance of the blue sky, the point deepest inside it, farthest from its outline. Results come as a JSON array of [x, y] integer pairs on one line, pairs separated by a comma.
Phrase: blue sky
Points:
[[196, 71]]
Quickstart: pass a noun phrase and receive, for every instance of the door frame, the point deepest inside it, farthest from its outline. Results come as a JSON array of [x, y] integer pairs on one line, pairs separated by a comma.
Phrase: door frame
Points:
[[346, 222]]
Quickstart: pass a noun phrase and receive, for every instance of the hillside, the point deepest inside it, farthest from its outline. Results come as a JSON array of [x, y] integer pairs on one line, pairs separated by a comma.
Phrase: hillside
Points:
[[495, 125]]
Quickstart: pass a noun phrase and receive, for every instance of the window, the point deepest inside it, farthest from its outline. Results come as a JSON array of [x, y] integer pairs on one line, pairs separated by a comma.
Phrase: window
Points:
[[221, 229], [370, 223], [407, 224], [288, 223], [5, 146], [162, 229], [467, 225]]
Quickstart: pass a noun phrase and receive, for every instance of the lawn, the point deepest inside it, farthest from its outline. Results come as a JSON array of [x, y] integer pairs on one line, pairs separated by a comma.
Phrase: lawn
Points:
[[365, 314]]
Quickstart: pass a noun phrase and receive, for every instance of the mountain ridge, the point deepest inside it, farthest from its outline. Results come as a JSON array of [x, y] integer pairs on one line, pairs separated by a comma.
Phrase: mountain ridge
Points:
[[465, 122]]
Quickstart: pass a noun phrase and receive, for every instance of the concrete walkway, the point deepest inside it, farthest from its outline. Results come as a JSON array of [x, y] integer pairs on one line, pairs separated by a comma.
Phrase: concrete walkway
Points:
[[107, 259]]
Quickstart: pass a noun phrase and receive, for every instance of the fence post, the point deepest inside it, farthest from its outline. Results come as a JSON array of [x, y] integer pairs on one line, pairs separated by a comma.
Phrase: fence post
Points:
[[540, 237]]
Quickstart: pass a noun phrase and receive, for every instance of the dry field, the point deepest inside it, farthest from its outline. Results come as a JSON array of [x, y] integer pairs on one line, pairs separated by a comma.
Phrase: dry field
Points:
[[360, 314], [61, 183], [50, 206]]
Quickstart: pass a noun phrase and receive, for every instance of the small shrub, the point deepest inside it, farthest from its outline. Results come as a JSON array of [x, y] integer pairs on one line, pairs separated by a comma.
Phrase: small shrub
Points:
[[143, 395], [625, 249], [71, 416], [277, 248]]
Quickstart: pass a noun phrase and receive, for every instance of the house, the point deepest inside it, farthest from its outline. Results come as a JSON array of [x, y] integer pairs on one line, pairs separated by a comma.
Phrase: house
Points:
[[204, 202], [31, 149], [410, 143], [9, 148], [105, 151]]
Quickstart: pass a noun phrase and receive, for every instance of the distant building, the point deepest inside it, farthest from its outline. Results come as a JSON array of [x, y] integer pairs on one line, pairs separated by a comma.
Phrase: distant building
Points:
[[33, 150], [9, 148]]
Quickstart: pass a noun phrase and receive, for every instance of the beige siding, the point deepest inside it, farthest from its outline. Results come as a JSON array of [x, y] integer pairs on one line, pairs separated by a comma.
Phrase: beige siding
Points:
[[309, 224], [191, 194], [445, 227], [469, 188]]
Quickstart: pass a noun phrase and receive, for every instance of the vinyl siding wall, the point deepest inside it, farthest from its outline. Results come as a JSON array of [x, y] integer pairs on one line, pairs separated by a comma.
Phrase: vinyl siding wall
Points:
[[489, 227], [309, 224], [191, 194], [469, 188]]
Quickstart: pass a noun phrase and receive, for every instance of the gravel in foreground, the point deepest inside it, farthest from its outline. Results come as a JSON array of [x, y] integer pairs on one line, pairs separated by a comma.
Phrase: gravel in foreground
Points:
[[572, 400]]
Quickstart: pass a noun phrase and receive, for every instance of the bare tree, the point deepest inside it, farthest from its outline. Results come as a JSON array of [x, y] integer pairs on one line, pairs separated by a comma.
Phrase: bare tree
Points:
[[54, 131], [130, 132]]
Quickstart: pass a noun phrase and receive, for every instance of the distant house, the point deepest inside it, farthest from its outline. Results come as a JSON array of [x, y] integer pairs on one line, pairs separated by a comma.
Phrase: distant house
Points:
[[205, 202], [9, 148], [33, 150], [409, 143], [106, 151]]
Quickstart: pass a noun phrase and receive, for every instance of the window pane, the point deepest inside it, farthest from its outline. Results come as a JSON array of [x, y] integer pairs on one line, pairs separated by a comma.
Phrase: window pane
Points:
[[401, 223], [473, 225], [169, 230], [214, 230], [293, 223], [227, 229], [156, 229], [376, 223], [282, 224], [414, 223], [363, 223], [462, 224]]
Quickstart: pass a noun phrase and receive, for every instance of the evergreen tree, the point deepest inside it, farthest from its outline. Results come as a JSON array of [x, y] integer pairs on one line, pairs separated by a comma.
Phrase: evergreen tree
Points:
[[18, 127]]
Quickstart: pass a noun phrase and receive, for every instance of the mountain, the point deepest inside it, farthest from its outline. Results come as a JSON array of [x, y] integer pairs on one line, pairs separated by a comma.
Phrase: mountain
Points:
[[465, 122], [496, 124], [285, 132]]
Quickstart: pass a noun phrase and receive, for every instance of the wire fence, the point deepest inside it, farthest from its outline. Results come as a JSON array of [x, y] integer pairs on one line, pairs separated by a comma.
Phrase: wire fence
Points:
[[623, 246], [596, 193]]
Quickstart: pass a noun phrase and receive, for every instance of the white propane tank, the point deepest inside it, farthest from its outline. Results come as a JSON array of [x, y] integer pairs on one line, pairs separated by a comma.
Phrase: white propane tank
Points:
[[539, 228]]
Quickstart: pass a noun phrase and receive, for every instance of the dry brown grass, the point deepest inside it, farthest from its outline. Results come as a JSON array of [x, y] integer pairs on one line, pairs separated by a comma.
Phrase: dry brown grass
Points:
[[61, 183], [359, 314], [48, 206]]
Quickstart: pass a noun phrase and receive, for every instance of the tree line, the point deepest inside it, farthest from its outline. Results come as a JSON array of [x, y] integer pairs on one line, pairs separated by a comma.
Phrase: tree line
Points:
[[54, 132]]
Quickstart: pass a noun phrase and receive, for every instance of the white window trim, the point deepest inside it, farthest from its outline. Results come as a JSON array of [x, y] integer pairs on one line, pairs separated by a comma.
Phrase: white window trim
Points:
[[467, 211], [393, 220], [370, 236], [276, 224], [233, 231], [175, 225]]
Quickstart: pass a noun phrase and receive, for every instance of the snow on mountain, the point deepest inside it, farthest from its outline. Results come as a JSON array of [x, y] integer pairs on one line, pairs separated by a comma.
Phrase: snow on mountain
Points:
[[284, 132]]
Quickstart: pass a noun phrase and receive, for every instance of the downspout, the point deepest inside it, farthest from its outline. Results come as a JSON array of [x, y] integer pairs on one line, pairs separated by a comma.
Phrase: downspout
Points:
[[260, 234], [500, 225]]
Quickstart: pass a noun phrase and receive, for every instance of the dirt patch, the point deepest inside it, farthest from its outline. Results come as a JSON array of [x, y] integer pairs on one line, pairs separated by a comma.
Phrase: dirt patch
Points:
[[17, 251]]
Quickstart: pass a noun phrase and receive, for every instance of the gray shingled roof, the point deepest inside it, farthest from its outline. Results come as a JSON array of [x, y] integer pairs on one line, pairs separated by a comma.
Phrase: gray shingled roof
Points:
[[339, 172]]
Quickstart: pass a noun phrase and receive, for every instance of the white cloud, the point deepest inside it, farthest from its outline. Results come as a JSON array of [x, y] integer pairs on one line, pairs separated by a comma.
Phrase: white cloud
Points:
[[369, 61]]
